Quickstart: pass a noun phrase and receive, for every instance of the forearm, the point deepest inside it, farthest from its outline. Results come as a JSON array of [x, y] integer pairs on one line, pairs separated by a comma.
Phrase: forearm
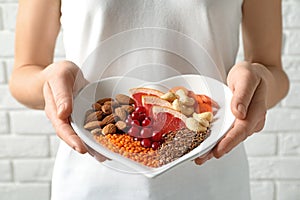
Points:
[[26, 85], [27, 81], [37, 27]]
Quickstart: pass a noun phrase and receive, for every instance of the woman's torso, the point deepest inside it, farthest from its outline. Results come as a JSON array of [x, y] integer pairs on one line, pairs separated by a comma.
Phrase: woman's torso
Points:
[[130, 33], [151, 39]]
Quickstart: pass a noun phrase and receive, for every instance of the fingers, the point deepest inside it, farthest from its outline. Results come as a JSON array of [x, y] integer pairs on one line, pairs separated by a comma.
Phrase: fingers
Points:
[[67, 134], [61, 126], [243, 82], [254, 122], [96, 155], [202, 159], [235, 136]]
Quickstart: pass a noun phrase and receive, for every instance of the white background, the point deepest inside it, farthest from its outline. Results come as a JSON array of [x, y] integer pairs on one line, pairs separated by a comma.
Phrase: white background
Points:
[[28, 143]]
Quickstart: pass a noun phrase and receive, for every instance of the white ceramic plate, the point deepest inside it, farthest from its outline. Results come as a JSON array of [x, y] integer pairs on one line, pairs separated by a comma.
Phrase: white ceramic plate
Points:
[[109, 87]]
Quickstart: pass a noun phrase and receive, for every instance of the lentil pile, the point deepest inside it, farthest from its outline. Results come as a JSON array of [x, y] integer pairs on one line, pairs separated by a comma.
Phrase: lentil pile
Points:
[[126, 146]]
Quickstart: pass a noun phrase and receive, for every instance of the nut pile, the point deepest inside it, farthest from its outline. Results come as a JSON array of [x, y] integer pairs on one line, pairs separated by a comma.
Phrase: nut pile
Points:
[[108, 115]]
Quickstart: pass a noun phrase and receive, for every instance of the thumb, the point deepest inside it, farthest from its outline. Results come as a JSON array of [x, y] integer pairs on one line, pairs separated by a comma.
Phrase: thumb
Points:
[[243, 88], [62, 91]]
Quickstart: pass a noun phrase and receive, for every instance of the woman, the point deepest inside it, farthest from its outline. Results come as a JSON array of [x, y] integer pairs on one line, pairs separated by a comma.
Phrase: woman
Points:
[[257, 83]]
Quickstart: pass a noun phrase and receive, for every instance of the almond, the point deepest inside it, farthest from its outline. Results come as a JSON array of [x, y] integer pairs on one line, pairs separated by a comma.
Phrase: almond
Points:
[[106, 109], [121, 113], [128, 108], [94, 116], [89, 112], [109, 129], [113, 104], [121, 125], [124, 99], [103, 100], [96, 106], [96, 131], [92, 125], [108, 120]]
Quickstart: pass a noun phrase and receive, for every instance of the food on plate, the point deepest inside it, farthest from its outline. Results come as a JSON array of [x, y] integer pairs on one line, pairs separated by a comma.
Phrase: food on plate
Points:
[[150, 126]]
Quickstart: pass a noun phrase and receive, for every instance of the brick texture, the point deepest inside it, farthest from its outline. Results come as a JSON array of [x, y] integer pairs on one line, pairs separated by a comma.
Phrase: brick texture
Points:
[[275, 168], [33, 170], [261, 145], [2, 73], [5, 171], [9, 16], [262, 190], [29, 145], [4, 126], [288, 190], [6, 100], [7, 43], [292, 67], [36, 122], [289, 144], [292, 45], [24, 146], [17, 191], [1, 17]]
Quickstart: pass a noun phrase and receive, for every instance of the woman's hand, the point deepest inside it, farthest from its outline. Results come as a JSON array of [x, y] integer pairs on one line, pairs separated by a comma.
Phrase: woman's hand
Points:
[[249, 106], [255, 87], [64, 79]]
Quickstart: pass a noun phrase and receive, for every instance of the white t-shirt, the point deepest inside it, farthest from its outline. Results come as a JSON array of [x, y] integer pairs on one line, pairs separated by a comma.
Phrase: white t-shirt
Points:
[[152, 40]]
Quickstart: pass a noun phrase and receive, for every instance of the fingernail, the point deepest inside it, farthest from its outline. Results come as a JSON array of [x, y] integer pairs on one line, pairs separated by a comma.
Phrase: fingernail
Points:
[[61, 109], [242, 109], [77, 149]]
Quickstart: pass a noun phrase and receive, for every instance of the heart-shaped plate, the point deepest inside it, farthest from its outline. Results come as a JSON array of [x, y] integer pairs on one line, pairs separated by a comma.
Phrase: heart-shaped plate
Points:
[[109, 87]]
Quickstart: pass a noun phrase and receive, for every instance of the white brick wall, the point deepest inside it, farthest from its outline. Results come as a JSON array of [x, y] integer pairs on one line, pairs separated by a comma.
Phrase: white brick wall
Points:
[[28, 143]]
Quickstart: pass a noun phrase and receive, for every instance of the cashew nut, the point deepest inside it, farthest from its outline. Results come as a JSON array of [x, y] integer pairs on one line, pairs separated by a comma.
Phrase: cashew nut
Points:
[[181, 92], [186, 110], [184, 98], [201, 120], [178, 105], [205, 115], [194, 125], [169, 96]]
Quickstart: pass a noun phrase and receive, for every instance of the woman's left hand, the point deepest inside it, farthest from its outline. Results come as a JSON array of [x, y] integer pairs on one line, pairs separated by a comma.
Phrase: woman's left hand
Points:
[[248, 104]]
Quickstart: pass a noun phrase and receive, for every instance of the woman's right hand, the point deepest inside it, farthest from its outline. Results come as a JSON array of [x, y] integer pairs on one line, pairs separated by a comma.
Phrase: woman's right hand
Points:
[[64, 80]]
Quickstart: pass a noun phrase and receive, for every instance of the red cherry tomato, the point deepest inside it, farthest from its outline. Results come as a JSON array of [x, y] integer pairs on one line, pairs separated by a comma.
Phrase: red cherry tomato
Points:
[[155, 145], [134, 131], [146, 132], [146, 122], [146, 143], [140, 109], [156, 136]]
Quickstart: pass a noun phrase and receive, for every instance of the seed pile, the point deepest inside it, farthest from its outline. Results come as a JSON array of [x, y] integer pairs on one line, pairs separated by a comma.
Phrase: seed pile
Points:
[[178, 143]]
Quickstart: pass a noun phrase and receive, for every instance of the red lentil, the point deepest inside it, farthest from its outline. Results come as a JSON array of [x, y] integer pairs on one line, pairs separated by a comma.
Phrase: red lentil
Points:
[[127, 147]]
